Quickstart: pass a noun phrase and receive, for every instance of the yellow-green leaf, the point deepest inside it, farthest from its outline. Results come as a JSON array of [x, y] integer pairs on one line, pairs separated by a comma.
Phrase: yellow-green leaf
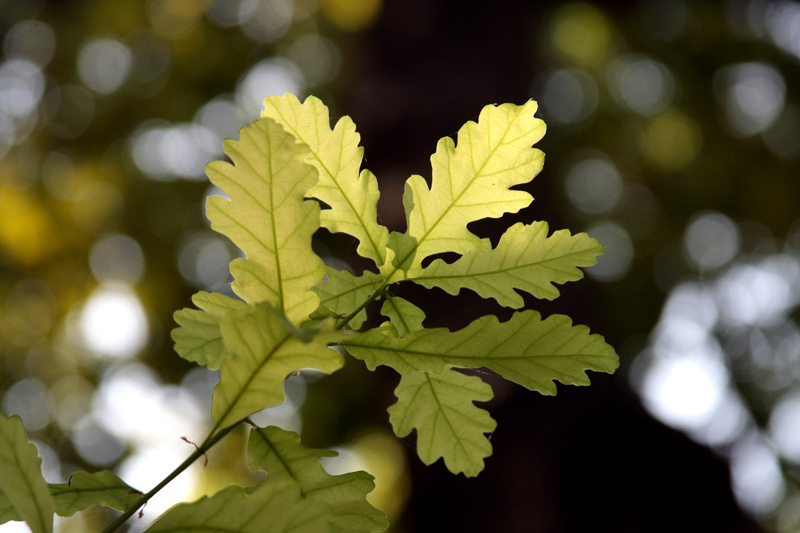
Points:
[[526, 350], [267, 507], [343, 292], [448, 424], [198, 338], [100, 488], [280, 454], [404, 315], [335, 153], [525, 259], [268, 218], [21, 479], [471, 181], [264, 349]]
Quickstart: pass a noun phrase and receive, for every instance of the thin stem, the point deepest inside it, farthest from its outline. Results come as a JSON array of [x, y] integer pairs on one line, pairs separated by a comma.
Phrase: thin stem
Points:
[[210, 441]]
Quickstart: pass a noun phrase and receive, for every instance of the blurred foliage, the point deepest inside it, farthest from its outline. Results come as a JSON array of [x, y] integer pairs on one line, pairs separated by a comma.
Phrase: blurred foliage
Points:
[[673, 138]]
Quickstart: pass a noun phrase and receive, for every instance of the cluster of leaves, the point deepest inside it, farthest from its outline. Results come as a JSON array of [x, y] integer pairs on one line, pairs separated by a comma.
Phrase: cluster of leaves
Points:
[[294, 312]]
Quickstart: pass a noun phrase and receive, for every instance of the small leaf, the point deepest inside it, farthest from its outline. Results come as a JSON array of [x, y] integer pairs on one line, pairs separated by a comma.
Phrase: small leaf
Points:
[[525, 258], [526, 350], [100, 488], [344, 292], [21, 479], [264, 351], [448, 424], [404, 315], [281, 455], [268, 219], [267, 507], [198, 338], [352, 197], [470, 182]]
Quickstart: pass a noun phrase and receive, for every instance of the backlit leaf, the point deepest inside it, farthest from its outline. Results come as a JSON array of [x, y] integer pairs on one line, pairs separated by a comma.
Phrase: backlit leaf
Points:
[[526, 350], [100, 488], [281, 455], [198, 337], [267, 507], [404, 315], [343, 292], [440, 406], [525, 258], [268, 219], [471, 181], [264, 349], [448, 424], [335, 153], [21, 478]]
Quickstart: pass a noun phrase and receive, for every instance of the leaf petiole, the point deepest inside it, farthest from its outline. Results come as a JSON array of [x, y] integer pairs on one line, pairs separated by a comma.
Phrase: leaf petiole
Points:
[[210, 441]]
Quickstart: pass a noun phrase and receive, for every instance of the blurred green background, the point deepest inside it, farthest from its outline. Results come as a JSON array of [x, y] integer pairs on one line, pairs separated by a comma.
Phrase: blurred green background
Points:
[[673, 138]]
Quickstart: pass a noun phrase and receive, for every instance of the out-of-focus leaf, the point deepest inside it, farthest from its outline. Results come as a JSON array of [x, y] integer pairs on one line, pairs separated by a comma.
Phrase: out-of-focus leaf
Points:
[[267, 507], [21, 479]]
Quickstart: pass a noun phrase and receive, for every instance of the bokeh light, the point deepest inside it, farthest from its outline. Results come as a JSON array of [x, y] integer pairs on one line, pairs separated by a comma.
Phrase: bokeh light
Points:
[[752, 96], [616, 261], [641, 84], [104, 64], [569, 96], [711, 240], [113, 322]]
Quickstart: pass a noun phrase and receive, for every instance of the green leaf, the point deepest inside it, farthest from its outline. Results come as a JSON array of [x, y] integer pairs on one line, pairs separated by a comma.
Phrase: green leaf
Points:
[[198, 338], [100, 488], [267, 507], [439, 406], [343, 292], [268, 219], [280, 453], [264, 349], [81, 492], [404, 315], [470, 181], [21, 479], [353, 198], [526, 350], [525, 258], [448, 424]]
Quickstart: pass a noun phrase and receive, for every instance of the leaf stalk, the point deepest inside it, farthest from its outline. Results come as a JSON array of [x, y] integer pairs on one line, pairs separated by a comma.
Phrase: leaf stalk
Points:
[[201, 450]]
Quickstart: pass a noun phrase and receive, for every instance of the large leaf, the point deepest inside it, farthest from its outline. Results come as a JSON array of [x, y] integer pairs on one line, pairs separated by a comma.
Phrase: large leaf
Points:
[[264, 350], [353, 198], [470, 181], [440, 406], [268, 219], [525, 349], [280, 453], [198, 337], [267, 507], [525, 258], [448, 424], [343, 292], [21, 479]]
